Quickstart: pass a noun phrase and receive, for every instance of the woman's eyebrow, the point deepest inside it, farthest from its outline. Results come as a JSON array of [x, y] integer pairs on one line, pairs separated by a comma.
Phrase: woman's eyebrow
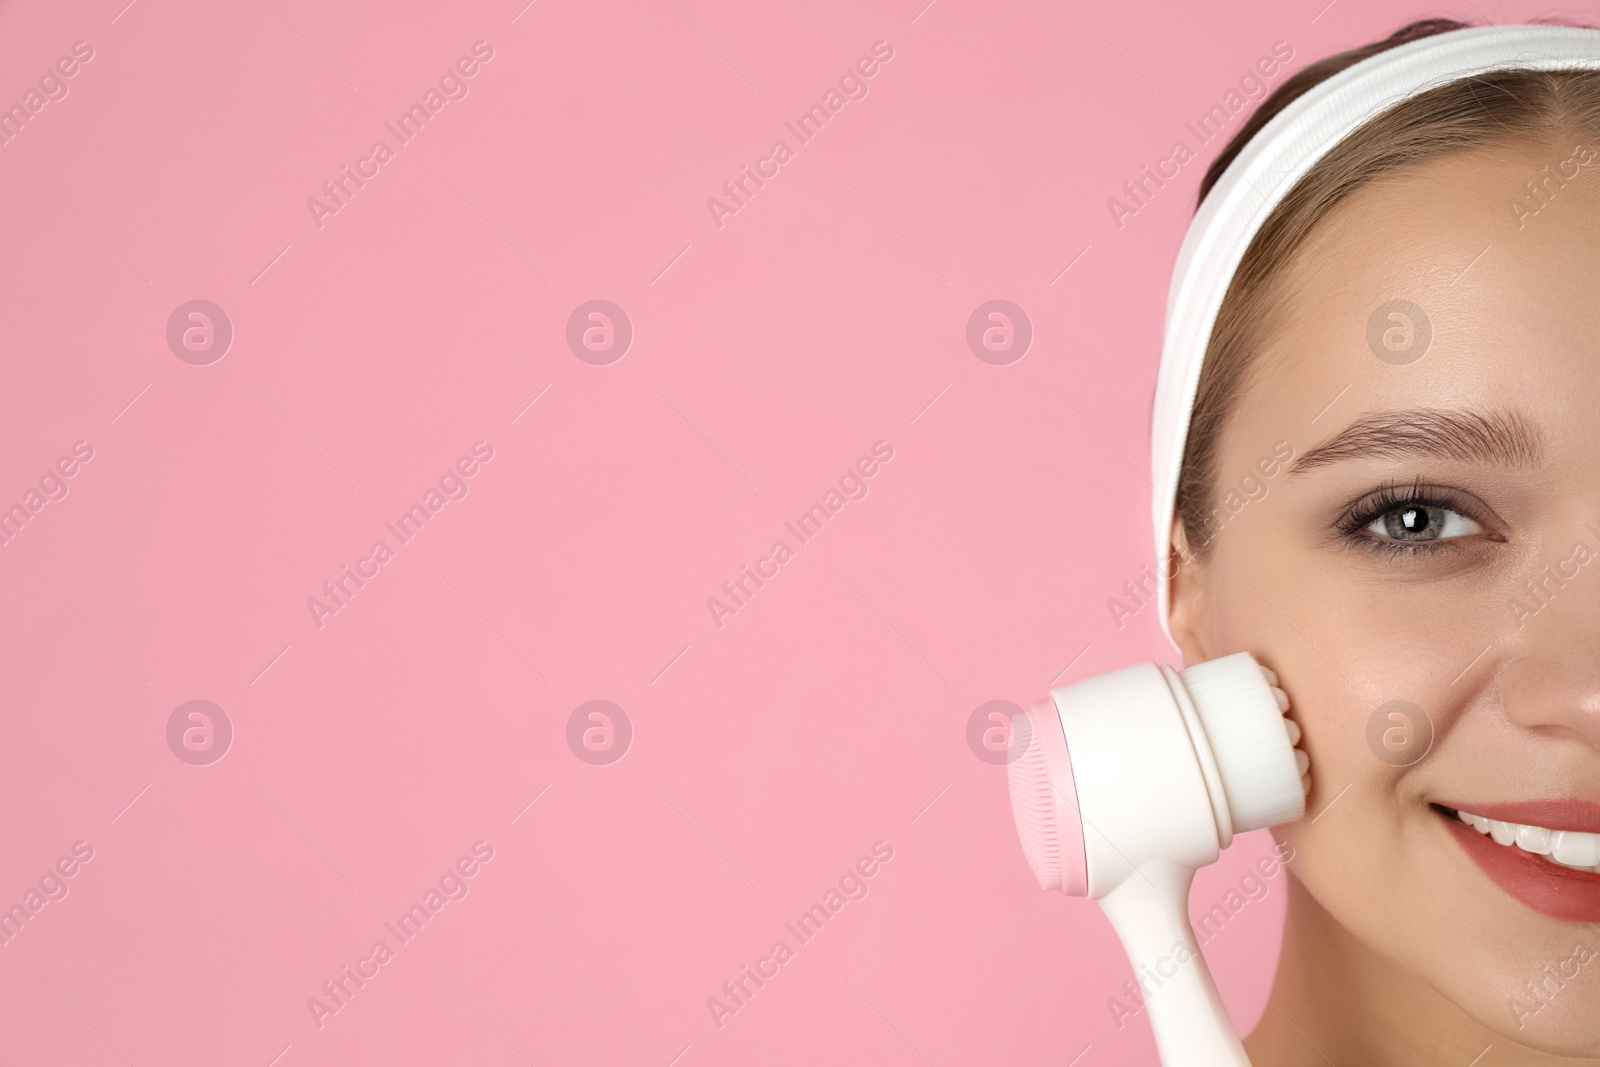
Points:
[[1498, 437]]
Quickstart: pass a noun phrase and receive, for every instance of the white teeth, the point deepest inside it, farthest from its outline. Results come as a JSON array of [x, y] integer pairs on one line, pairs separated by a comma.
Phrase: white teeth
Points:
[[1535, 839], [1294, 731], [1302, 761], [1570, 848]]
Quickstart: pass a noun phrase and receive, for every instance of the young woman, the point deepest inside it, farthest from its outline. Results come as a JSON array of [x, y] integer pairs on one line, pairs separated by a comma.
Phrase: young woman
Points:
[[1412, 340]]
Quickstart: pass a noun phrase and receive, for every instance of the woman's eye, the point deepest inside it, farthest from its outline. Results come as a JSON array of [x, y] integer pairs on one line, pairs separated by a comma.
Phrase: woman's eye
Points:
[[1422, 522]]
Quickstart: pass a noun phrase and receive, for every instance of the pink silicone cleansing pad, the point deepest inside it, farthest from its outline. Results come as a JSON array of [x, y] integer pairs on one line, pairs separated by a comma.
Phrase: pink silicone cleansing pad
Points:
[[1044, 800]]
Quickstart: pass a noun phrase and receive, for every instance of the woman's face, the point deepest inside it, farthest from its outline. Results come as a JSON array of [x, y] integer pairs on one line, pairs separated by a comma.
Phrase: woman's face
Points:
[[1424, 573]]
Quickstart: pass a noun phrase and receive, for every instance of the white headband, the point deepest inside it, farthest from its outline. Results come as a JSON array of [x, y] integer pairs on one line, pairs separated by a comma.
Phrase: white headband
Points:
[[1277, 157]]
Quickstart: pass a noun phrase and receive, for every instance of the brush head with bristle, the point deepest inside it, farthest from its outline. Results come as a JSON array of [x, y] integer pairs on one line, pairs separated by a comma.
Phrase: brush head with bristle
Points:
[[1036, 818], [1264, 776], [1044, 801]]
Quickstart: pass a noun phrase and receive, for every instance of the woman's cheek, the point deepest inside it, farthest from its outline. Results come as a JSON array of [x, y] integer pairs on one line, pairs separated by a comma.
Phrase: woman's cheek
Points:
[[1378, 662], [1360, 687]]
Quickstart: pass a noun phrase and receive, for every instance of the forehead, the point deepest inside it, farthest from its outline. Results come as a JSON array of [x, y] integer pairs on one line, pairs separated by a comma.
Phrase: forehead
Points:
[[1470, 281]]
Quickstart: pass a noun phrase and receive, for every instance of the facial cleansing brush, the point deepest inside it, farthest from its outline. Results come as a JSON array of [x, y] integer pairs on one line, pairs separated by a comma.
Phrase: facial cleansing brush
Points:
[[1133, 779]]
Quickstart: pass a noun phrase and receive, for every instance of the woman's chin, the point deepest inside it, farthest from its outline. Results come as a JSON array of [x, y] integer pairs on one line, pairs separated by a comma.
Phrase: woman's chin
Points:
[[1444, 930], [1547, 1001]]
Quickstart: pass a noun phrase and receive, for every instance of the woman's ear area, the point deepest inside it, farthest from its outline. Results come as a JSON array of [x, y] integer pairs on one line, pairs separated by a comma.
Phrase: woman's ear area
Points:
[[1186, 599]]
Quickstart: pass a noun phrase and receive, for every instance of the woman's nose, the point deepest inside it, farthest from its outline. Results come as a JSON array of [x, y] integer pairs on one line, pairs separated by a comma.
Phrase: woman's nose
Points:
[[1553, 685]]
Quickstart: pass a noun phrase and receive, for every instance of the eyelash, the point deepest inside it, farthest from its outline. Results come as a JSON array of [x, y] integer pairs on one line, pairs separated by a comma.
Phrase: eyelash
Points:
[[1392, 497]]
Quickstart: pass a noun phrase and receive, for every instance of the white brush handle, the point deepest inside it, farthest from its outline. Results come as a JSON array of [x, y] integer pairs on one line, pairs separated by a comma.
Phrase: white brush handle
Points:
[[1150, 912]]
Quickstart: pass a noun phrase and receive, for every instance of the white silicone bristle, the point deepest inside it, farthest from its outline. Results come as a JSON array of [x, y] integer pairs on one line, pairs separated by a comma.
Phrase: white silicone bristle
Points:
[[1035, 815], [1264, 776]]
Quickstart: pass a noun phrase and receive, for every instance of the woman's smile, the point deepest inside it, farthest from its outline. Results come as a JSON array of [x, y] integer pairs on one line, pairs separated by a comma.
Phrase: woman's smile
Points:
[[1544, 853]]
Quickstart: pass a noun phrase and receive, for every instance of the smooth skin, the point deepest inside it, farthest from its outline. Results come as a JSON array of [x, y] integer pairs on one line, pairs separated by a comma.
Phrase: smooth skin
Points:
[[1398, 949]]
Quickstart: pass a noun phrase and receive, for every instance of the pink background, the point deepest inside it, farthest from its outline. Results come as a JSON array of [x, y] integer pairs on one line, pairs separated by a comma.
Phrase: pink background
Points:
[[768, 354]]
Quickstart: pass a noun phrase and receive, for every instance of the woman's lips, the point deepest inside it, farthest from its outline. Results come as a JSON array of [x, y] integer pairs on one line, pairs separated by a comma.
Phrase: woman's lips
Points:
[[1536, 881]]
